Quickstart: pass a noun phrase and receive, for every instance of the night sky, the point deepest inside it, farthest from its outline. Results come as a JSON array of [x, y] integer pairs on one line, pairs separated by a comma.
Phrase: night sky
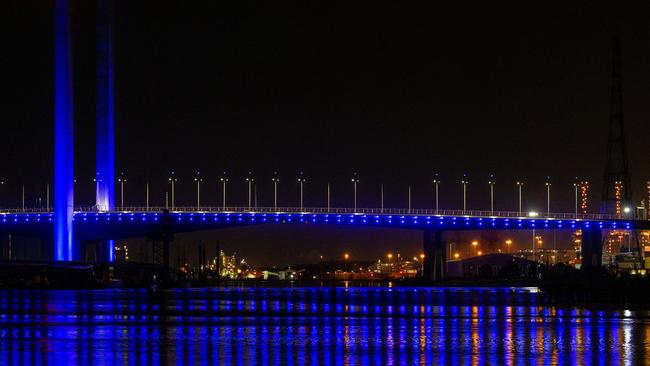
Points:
[[394, 92]]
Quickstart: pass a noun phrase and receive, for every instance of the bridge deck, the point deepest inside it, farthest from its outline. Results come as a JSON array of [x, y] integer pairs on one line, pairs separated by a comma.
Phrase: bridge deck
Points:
[[413, 219]]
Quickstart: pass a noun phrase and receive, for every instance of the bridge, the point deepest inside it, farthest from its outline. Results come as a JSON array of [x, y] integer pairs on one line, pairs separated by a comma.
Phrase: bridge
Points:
[[159, 224], [64, 230]]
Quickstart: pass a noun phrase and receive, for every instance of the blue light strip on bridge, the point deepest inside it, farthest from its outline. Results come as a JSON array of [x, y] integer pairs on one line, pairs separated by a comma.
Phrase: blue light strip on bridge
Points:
[[399, 221]]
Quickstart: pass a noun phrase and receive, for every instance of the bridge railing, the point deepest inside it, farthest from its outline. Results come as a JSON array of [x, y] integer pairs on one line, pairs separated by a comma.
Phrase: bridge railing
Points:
[[361, 211]]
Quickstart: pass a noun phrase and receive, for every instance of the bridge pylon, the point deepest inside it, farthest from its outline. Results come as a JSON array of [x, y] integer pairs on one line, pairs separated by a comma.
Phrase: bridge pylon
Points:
[[591, 246], [435, 255]]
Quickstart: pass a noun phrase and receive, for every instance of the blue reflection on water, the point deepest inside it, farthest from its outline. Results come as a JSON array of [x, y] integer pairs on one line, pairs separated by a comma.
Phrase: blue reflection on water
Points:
[[327, 326]]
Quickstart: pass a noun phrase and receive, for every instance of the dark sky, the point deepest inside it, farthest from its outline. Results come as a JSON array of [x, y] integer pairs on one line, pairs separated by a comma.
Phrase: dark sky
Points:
[[394, 91]]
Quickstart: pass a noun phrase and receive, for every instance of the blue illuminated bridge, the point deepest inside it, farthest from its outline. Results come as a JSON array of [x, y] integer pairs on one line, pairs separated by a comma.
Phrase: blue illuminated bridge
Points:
[[66, 231], [159, 224]]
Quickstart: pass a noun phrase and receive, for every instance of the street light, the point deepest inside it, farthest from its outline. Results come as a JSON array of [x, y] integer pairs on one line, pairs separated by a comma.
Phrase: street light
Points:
[[381, 198], [548, 196], [329, 197], [346, 256], [301, 181], [173, 180], [409, 198], [508, 244], [2, 183], [491, 182], [575, 187], [464, 182], [224, 180], [250, 180], [121, 180], [275, 181], [519, 186], [355, 180], [436, 183], [198, 181]]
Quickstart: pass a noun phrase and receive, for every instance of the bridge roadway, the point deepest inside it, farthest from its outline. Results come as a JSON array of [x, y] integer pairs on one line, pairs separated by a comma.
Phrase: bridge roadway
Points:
[[90, 224]]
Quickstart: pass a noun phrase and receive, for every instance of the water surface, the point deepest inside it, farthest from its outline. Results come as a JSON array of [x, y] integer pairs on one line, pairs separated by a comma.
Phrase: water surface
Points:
[[300, 326]]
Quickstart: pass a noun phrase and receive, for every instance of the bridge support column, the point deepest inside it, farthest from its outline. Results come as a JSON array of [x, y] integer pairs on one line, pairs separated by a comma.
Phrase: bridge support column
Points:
[[435, 255], [160, 241], [592, 247]]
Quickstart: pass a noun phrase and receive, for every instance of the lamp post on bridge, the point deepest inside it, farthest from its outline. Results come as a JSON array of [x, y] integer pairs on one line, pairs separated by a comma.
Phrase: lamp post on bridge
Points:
[[519, 187], [198, 181], [436, 183], [147, 197], [2, 184], [409, 198], [250, 180], [381, 198], [548, 195], [224, 180], [301, 181], [464, 182], [329, 197], [275, 180], [355, 180], [172, 179], [121, 180], [575, 187], [491, 182]]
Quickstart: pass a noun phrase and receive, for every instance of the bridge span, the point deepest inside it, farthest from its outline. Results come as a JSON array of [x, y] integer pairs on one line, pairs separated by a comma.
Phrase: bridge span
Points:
[[159, 224]]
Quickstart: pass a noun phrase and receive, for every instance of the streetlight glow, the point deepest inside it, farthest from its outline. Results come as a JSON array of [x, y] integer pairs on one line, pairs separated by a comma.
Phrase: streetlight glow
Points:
[[436, 183], [224, 180], [491, 183], [173, 180], [301, 181], [198, 181], [275, 181], [548, 196], [355, 180], [519, 186], [121, 180], [250, 180], [464, 182]]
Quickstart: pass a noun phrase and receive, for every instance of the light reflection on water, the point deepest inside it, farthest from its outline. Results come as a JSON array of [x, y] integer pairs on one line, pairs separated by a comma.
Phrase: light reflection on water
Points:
[[301, 326]]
